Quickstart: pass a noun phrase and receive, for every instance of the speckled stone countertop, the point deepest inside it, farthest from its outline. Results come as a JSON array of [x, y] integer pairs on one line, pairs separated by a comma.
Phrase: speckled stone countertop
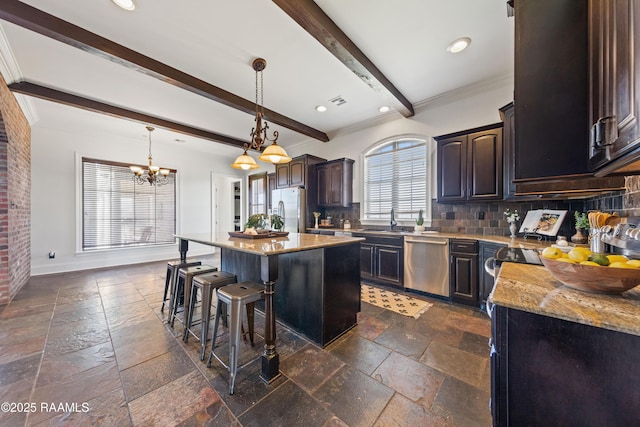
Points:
[[517, 242], [533, 289], [294, 242]]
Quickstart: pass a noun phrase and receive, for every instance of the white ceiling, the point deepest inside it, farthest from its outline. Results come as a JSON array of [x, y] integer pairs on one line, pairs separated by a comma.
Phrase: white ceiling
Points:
[[216, 41]]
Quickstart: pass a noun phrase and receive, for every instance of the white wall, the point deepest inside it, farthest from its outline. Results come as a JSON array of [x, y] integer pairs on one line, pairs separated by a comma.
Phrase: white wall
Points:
[[457, 111], [56, 187]]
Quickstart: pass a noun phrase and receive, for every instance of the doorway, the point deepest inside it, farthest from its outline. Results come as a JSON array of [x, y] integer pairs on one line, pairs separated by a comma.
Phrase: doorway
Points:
[[227, 200]]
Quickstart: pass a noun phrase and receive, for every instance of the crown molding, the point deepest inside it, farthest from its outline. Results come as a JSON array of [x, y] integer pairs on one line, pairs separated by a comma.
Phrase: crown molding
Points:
[[11, 72]]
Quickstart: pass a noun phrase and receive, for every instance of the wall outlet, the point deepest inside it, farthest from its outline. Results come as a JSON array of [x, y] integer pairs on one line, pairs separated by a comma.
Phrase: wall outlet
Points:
[[52, 255], [450, 215], [480, 215]]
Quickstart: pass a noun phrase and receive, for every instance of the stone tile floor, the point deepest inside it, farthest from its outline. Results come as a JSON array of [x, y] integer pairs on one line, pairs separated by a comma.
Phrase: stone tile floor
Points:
[[93, 348]]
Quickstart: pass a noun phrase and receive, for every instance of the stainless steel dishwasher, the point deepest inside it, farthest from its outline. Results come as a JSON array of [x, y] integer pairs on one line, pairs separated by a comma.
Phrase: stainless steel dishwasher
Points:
[[426, 264]]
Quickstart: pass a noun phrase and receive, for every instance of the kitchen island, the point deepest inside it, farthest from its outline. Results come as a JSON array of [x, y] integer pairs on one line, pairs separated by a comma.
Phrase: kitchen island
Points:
[[318, 282], [562, 356]]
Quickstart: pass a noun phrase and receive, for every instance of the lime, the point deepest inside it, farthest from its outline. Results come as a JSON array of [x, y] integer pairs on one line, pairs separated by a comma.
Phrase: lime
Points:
[[599, 259]]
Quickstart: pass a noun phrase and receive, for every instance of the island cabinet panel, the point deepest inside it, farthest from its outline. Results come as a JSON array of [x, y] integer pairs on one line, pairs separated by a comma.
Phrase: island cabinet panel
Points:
[[547, 371], [470, 165], [317, 291], [614, 69], [551, 88]]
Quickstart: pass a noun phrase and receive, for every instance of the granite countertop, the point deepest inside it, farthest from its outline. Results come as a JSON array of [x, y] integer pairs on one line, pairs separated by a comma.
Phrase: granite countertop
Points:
[[294, 242], [533, 289], [517, 242]]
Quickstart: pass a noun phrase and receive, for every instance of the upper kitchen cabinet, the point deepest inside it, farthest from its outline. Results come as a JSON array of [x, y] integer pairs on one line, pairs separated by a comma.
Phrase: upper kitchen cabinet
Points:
[[335, 183], [507, 114], [470, 165], [614, 56], [551, 88], [299, 172]]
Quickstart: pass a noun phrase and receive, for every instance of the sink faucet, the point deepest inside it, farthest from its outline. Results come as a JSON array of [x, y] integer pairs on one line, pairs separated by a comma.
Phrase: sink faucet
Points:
[[393, 221]]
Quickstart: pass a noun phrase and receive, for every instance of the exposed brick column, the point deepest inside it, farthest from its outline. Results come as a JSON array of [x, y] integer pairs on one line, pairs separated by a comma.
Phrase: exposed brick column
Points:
[[15, 196]]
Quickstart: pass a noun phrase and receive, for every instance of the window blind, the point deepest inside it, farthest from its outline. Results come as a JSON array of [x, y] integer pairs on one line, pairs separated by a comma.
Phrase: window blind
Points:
[[396, 176], [117, 212]]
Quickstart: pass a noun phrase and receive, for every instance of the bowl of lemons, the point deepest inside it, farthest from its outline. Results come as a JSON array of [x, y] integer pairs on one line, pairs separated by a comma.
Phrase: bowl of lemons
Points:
[[592, 272]]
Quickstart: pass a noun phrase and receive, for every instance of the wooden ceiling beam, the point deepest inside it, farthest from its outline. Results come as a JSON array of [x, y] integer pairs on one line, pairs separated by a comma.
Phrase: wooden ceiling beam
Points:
[[313, 20], [33, 19], [54, 95]]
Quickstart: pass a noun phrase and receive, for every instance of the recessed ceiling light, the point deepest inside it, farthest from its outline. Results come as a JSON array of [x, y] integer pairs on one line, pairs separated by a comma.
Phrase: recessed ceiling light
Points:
[[321, 108], [384, 109], [125, 4], [458, 45]]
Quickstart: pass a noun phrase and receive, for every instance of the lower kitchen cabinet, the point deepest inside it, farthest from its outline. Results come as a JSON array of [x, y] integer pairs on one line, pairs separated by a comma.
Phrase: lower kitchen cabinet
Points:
[[463, 271], [382, 260], [548, 371], [485, 284]]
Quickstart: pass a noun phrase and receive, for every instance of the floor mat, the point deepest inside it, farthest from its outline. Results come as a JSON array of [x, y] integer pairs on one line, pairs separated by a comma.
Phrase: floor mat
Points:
[[393, 301]]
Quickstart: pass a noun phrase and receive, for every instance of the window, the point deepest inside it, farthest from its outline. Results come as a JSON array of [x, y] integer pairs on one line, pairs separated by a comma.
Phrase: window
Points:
[[396, 176], [118, 213]]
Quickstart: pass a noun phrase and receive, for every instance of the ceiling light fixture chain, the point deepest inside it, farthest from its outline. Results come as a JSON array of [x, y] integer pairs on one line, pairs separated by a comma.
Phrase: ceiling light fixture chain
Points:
[[153, 175], [273, 153]]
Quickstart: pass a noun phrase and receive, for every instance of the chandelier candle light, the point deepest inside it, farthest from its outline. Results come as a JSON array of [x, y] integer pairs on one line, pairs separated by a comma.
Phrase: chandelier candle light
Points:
[[273, 153], [154, 175]]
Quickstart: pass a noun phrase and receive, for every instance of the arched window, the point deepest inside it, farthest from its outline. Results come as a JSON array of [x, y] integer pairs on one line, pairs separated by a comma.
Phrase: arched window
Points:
[[397, 176]]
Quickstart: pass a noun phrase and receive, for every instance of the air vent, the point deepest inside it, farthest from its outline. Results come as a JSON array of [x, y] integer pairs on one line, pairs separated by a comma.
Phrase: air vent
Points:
[[338, 100]]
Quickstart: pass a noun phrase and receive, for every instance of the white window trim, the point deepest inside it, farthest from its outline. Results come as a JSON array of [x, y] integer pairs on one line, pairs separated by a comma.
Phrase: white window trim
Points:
[[431, 152]]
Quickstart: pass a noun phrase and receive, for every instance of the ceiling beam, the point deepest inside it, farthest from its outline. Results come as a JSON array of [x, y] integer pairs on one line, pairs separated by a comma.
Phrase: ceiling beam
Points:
[[33, 19], [313, 19], [54, 95]]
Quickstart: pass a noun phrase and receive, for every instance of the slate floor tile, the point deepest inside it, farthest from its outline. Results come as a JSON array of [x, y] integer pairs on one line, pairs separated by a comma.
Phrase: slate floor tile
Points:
[[409, 343], [310, 367], [360, 353], [403, 412], [464, 404], [460, 364]]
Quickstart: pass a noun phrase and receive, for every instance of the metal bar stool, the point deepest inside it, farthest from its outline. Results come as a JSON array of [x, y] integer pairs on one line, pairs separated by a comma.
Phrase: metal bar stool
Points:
[[206, 283], [183, 287], [170, 279], [235, 297]]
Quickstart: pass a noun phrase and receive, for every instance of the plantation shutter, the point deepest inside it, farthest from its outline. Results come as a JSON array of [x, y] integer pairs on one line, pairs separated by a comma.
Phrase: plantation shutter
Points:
[[396, 177], [117, 212]]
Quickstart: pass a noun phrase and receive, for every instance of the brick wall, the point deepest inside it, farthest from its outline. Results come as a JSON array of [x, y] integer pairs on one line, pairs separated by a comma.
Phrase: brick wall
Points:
[[15, 196]]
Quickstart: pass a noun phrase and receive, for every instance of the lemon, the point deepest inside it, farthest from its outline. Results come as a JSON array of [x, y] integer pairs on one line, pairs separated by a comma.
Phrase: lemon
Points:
[[599, 259], [569, 260], [590, 263], [578, 255], [617, 258], [551, 253], [634, 263], [619, 264]]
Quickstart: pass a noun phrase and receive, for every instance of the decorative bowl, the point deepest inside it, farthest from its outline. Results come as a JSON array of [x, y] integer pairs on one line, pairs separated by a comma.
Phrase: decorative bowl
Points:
[[590, 278]]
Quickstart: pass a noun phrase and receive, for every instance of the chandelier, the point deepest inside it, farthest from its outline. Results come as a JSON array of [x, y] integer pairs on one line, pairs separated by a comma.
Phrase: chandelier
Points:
[[154, 175], [273, 153]]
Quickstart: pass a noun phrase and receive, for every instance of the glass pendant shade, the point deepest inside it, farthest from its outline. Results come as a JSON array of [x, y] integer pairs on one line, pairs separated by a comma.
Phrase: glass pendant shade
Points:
[[245, 162], [275, 154]]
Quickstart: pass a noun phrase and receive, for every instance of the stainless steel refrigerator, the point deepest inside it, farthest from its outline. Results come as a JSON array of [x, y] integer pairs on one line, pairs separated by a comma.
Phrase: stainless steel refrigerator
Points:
[[290, 204]]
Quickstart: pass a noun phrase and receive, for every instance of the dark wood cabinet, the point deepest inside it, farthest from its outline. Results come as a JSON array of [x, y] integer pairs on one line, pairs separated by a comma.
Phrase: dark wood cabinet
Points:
[[547, 371], [463, 271], [470, 165], [507, 114], [299, 172], [335, 183], [485, 280], [382, 260], [614, 95], [550, 88]]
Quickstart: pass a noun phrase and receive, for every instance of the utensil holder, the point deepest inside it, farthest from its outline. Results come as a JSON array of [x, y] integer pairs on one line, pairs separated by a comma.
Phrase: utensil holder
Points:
[[595, 242]]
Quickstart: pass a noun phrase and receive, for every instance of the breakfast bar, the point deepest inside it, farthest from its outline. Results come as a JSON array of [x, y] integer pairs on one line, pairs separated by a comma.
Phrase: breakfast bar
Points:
[[318, 282]]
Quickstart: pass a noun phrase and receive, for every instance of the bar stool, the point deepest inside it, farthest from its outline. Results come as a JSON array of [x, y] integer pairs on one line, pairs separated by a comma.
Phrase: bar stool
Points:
[[235, 297], [183, 284], [170, 280], [206, 283]]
